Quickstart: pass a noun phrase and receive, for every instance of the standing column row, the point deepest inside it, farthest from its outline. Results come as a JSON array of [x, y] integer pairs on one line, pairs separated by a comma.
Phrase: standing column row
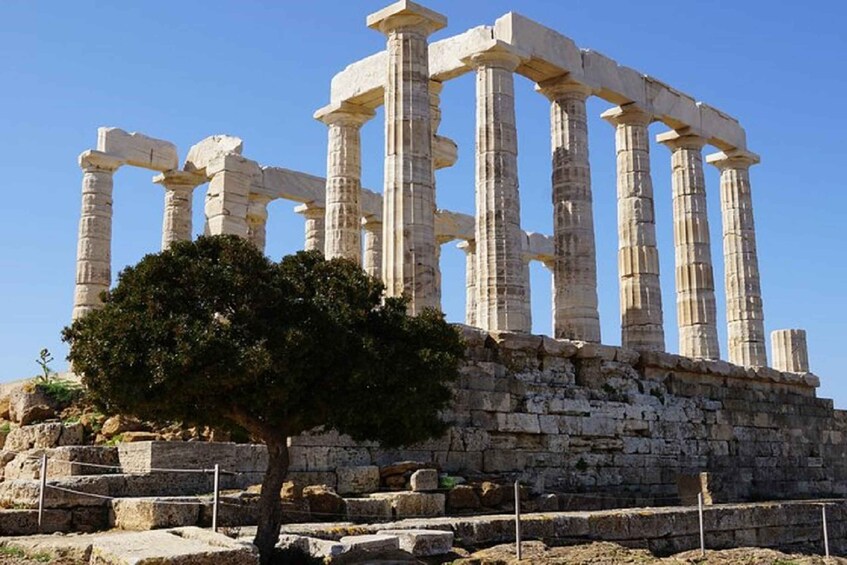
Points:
[[409, 257]]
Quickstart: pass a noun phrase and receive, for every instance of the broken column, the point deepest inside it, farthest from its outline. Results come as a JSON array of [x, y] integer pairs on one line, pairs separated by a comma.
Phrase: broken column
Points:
[[575, 313], [469, 247], [500, 277], [227, 199], [314, 226], [789, 350], [372, 260], [408, 264], [744, 312], [179, 190], [638, 256], [343, 180], [257, 219], [695, 281], [94, 243]]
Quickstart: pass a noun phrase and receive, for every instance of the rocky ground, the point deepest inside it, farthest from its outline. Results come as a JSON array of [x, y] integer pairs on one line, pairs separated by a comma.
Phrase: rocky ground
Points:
[[537, 553]]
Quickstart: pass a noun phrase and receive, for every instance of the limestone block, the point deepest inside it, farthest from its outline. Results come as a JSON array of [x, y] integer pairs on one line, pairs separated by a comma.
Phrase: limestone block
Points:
[[324, 503], [518, 423], [138, 149], [371, 542], [357, 480], [42, 436], [552, 53], [368, 510], [675, 108], [723, 130], [614, 82], [314, 547], [424, 480], [414, 504], [29, 404], [5, 458], [153, 513], [462, 497], [25, 522], [423, 543], [183, 545], [209, 149]]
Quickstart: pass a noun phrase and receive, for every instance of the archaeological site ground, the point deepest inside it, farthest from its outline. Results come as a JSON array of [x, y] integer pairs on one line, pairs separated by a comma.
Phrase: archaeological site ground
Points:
[[591, 432]]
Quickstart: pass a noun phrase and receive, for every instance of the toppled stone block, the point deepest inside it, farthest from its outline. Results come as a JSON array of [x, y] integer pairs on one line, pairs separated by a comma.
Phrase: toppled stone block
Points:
[[190, 546], [314, 547], [414, 504], [153, 513], [422, 543], [138, 149], [119, 424], [29, 404], [357, 480], [204, 152], [324, 503], [491, 494], [371, 542], [362, 510], [462, 497], [424, 480], [43, 436]]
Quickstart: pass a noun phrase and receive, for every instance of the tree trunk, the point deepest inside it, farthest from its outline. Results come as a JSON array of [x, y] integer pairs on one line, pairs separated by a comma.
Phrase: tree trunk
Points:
[[270, 508]]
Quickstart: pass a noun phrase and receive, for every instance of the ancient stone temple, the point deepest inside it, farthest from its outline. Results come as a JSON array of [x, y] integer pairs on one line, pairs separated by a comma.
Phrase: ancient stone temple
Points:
[[564, 411]]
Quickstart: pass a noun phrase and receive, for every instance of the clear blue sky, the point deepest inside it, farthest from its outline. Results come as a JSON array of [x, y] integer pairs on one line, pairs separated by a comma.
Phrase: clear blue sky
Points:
[[258, 69]]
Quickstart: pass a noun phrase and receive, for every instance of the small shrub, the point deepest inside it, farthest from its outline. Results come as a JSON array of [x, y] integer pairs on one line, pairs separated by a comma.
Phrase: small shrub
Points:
[[115, 440], [44, 360], [5, 427], [63, 392]]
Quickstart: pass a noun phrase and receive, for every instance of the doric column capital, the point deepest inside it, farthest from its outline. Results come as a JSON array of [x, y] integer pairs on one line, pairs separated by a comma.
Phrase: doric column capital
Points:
[[499, 55], [345, 114], [371, 223], [179, 180], [629, 114], [93, 160], [686, 138], [563, 87], [406, 16], [468, 246], [311, 210], [733, 159]]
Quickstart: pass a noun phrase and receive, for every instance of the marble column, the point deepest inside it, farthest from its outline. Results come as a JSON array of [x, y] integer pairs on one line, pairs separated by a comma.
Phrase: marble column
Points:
[[94, 243], [343, 180], [228, 197], [408, 264], [638, 256], [576, 314], [501, 289], [372, 260], [695, 281], [257, 219], [744, 312], [314, 226], [469, 247], [789, 350], [179, 189]]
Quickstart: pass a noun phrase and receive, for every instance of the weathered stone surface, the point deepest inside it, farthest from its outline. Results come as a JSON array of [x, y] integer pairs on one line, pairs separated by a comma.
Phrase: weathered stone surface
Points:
[[179, 190], [358, 480], [424, 480], [29, 404], [324, 503], [789, 350], [209, 149], [491, 494], [414, 504], [462, 497], [154, 513], [138, 149], [42, 436], [25, 522], [422, 543], [368, 510], [119, 424], [371, 542]]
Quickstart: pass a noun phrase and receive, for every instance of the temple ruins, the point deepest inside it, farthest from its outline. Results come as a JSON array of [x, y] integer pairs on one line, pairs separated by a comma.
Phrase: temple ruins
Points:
[[605, 406]]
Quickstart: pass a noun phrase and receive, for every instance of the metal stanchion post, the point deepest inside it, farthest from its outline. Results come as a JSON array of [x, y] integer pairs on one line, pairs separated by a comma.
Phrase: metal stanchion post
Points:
[[216, 498], [702, 533], [41, 490], [518, 520], [825, 534]]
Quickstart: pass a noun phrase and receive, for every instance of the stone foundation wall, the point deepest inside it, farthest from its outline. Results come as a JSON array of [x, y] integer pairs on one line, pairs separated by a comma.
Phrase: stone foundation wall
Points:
[[604, 421]]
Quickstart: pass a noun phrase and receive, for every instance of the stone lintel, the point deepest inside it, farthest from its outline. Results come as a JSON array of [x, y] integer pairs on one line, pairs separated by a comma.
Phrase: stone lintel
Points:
[[138, 149], [311, 209], [688, 138], [172, 180], [445, 152], [628, 114], [232, 162], [94, 159], [736, 158], [497, 53], [344, 113], [405, 14], [563, 85]]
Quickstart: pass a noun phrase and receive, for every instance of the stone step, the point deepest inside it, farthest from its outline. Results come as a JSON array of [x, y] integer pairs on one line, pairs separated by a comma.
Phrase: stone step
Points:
[[422, 543], [149, 513], [67, 461], [25, 522]]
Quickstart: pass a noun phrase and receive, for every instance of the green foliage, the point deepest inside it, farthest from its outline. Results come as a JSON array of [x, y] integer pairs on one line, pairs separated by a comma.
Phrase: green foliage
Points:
[[64, 392], [44, 360], [5, 427], [213, 332], [115, 440], [12, 552]]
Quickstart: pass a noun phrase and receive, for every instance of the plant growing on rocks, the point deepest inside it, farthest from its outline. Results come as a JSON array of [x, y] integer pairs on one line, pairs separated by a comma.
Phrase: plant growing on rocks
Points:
[[214, 333]]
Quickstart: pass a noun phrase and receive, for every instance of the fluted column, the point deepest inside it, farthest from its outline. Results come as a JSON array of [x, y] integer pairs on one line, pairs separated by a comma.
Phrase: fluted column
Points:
[[314, 226], [469, 247], [789, 350], [257, 220], [94, 243], [638, 256], [343, 180], [409, 198], [501, 291], [695, 281], [372, 261], [576, 314], [744, 312], [179, 189]]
